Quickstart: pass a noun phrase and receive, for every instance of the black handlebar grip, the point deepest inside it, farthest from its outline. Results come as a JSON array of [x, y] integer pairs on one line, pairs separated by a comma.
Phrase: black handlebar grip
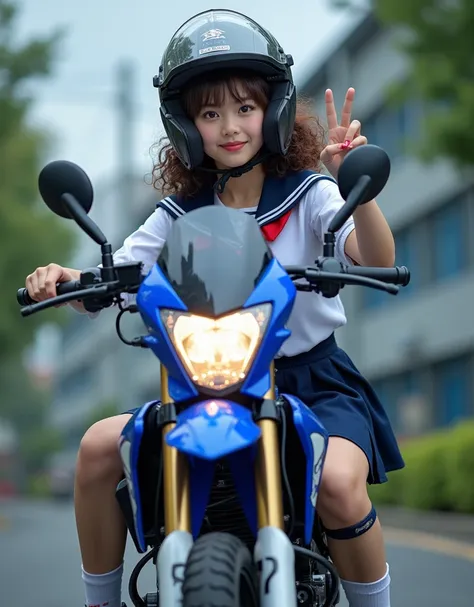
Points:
[[24, 299], [400, 275]]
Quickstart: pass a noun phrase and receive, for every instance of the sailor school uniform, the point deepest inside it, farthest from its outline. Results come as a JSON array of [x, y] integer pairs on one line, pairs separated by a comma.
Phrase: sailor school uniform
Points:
[[294, 212]]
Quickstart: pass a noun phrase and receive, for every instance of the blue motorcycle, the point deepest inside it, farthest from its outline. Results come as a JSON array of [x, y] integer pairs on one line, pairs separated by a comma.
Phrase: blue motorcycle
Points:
[[207, 493]]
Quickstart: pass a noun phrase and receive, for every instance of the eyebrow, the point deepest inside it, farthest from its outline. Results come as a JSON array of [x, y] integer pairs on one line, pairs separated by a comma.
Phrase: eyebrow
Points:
[[244, 100]]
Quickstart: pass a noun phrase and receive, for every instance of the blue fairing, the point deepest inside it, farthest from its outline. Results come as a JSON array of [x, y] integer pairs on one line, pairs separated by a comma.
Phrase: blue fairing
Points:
[[156, 293], [209, 431], [277, 288], [212, 429], [314, 440], [129, 446]]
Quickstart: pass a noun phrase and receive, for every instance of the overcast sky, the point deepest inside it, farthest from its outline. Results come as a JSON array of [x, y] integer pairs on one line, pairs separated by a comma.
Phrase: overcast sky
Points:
[[78, 103]]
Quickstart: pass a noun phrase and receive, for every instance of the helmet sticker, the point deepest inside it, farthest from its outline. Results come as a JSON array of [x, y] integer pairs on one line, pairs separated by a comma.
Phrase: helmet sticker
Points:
[[213, 35], [213, 49]]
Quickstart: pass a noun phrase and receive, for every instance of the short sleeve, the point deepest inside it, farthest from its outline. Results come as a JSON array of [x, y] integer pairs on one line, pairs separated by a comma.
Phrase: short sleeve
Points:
[[324, 202], [147, 241], [143, 245]]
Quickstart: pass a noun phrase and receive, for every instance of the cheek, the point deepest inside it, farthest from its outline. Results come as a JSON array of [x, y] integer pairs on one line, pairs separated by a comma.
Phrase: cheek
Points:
[[207, 132], [255, 126]]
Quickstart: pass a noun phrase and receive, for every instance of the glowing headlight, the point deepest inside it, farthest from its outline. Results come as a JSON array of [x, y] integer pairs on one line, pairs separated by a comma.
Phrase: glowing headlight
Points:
[[217, 353]]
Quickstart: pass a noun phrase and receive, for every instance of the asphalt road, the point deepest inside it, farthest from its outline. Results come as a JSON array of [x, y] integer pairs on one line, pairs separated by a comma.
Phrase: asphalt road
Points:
[[40, 564]]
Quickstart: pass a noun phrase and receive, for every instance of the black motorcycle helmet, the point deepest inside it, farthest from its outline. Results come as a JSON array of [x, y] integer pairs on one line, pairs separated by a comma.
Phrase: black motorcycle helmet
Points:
[[216, 40]]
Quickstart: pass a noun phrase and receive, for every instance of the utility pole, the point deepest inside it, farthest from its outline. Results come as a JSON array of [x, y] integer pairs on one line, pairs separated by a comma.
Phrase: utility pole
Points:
[[123, 205], [125, 140]]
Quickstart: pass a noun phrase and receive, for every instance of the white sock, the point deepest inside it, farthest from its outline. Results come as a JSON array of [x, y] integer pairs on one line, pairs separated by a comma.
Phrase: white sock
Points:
[[374, 594], [104, 590]]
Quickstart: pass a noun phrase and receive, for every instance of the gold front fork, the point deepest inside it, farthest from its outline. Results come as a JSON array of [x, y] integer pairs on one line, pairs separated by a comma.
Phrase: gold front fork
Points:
[[175, 476], [268, 474], [268, 470]]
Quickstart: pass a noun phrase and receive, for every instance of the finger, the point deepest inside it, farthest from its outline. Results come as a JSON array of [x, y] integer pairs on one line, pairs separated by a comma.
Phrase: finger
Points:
[[330, 151], [31, 285], [331, 113], [347, 108], [358, 141], [353, 131], [39, 275], [52, 276]]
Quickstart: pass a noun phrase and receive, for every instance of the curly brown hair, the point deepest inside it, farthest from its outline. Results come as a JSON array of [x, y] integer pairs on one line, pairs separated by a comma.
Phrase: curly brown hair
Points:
[[170, 176]]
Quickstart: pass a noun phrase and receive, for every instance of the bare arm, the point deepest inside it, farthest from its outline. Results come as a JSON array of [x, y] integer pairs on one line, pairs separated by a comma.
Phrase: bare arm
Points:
[[371, 243]]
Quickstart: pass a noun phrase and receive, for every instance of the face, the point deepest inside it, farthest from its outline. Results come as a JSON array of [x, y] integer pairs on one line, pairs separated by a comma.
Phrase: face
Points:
[[232, 129]]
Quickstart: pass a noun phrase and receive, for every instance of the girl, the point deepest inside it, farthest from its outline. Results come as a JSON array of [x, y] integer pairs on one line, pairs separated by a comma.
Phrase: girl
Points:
[[237, 137]]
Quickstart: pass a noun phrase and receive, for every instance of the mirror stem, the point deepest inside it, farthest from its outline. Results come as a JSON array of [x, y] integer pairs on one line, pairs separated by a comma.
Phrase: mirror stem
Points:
[[355, 197], [82, 219], [107, 270], [329, 244]]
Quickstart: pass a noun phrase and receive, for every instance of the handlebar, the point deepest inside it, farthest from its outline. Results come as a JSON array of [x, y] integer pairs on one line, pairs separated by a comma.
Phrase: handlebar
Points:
[[24, 299], [327, 277], [399, 275]]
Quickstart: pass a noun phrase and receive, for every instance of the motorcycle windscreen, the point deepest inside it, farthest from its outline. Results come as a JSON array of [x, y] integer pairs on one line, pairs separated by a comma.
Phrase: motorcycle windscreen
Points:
[[213, 258]]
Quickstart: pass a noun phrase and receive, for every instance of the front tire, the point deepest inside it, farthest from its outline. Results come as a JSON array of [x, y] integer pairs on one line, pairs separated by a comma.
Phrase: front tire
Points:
[[220, 572]]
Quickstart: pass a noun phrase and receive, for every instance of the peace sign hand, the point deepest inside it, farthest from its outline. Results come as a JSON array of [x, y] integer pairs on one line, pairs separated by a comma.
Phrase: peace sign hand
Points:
[[341, 137]]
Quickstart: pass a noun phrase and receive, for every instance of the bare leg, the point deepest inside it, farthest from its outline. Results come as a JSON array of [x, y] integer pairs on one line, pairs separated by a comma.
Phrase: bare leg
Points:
[[343, 502], [99, 520]]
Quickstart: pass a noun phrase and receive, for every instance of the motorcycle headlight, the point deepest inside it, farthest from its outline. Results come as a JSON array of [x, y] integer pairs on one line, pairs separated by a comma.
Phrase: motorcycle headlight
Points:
[[217, 352]]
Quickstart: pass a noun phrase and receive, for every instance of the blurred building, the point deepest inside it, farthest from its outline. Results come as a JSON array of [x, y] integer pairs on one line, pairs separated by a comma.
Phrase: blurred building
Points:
[[418, 347], [96, 369]]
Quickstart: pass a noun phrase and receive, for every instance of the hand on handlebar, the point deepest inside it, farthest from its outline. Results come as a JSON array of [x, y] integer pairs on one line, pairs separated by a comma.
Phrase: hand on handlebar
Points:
[[41, 284]]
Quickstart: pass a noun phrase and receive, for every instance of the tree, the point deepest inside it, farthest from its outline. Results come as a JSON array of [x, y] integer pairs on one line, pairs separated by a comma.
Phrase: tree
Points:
[[30, 235], [440, 46]]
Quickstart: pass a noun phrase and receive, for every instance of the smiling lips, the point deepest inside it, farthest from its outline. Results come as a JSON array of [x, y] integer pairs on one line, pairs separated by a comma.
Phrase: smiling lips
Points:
[[234, 146]]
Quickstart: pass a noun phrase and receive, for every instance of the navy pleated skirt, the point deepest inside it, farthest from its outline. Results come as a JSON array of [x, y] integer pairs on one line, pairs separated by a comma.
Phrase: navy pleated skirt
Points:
[[328, 382]]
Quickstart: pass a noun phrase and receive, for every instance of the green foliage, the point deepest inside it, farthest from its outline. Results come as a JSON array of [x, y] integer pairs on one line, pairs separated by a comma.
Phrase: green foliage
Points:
[[30, 234], [437, 475], [440, 46]]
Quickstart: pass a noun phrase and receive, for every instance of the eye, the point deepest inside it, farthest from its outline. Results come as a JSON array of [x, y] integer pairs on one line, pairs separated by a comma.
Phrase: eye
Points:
[[210, 114], [245, 109]]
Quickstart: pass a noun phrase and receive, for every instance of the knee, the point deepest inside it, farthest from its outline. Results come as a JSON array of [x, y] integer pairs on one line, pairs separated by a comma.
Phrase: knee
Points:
[[343, 499], [98, 459]]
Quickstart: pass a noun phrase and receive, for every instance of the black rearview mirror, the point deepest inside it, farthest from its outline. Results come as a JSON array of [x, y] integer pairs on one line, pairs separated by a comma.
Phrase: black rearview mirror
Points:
[[68, 192], [369, 160], [362, 176]]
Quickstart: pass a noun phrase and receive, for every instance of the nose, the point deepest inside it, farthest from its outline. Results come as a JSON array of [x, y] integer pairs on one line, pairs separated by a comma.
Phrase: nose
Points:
[[230, 126]]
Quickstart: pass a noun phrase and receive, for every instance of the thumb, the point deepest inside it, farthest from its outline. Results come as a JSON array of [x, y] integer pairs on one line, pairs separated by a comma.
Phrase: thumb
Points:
[[327, 155]]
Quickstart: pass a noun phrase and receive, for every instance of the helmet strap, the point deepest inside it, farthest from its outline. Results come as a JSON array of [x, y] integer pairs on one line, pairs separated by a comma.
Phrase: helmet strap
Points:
[[227, 174]]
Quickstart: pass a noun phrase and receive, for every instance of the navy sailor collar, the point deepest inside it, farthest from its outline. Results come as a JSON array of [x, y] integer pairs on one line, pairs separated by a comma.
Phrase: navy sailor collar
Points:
[[279, 196]]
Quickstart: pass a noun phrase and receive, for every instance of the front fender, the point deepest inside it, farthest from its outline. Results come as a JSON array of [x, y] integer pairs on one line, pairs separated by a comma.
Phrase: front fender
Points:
[[213, 429]]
